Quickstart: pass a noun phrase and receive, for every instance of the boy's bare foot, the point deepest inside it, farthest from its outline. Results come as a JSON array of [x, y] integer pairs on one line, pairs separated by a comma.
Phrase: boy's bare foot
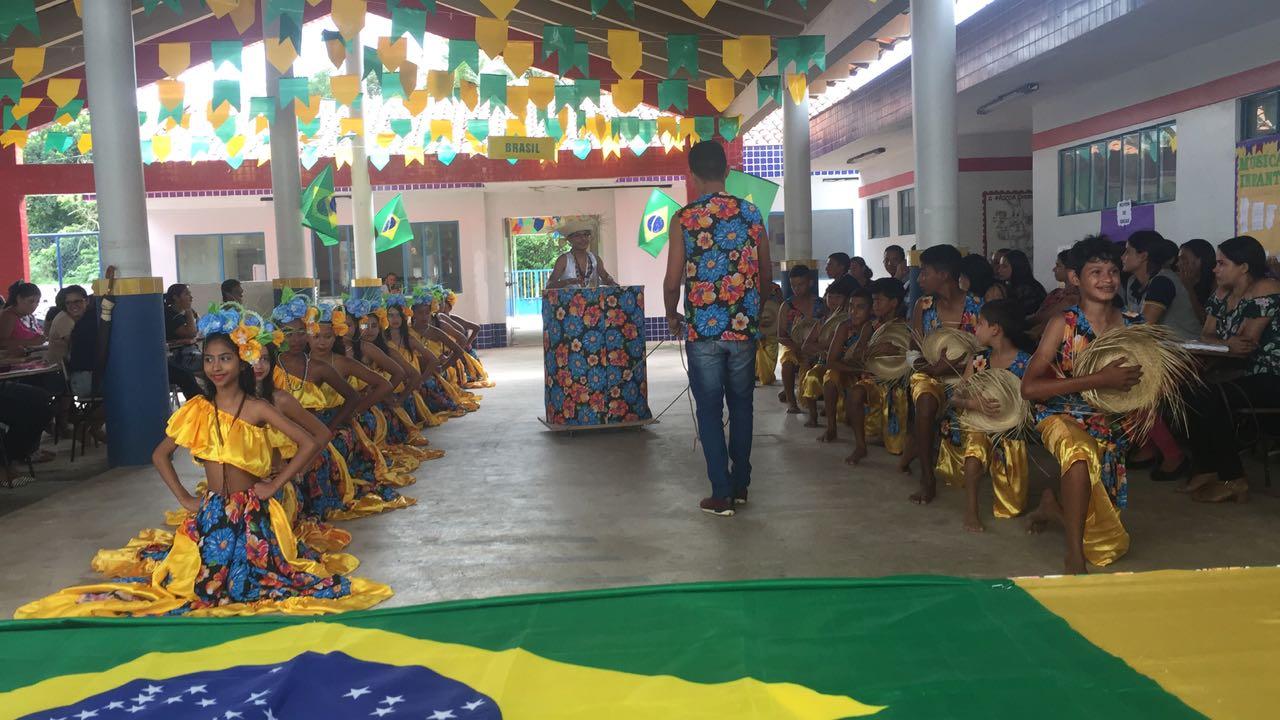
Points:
[[925, 494], [782, 396], [793, 410], [828, 437], [1048, 511], [856, 456], [1075, 566], [904, 463], [812, 421], [973, 523]]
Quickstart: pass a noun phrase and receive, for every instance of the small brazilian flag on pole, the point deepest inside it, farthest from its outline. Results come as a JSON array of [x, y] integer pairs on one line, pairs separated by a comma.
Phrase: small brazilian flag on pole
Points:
[[657, 222], [753, 189], [319, 209], [392, 225]]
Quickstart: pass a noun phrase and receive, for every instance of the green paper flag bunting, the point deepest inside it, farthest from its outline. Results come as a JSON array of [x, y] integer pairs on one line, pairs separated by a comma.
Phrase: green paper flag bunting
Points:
[[373, 63], [71, 110], [391, 86], [578, 57], [199, 147], [802, 3], [148, 152], [174, 112], [704, 127], [8, 121], [401, 126], [445, 153], [557, 39], [142, 118], [226, 51], [290, 30], [319, 209], [379, 159], [803, 50], [656, 225], [272, 9], [309, 129], [478, 128], [310, 155], [410, 21], [565, 95], [226, 130], [294, 88], [682, 52], [19, 13], [647, 130], [753, 189], [263, 106], [626, 127], [493, 89], [234, 162], [588, 89], [673, 93], [392, 225], [464, 52], [729, 127], [226, 91], [628, 6], [554, 131], [150, 5], [768, 87], [11, 88]]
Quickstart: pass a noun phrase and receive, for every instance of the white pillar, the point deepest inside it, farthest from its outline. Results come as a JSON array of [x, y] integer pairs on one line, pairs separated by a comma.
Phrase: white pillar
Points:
[[933, 102], [797, 192], [117, 152], [286, 183], [366, 260]]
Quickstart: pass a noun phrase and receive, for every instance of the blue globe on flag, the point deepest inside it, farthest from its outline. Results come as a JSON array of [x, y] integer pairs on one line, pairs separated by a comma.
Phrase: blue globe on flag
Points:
[[655, 224]]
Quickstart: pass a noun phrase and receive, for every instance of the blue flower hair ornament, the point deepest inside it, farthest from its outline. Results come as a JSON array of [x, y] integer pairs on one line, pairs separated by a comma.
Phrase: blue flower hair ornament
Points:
[[398, 300], [246, 329], [293, 306]]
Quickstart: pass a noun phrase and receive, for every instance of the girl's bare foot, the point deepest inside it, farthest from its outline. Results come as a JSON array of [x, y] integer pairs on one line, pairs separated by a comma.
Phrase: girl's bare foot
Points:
[[856, 456], [793, 409], [828, 437], [927, 492], [1075, 565], [812, 421], [1048, 511], [972, 522]]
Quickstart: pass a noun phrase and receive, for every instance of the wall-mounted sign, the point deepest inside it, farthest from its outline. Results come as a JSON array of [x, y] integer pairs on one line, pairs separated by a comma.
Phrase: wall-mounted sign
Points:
[[522, 148]]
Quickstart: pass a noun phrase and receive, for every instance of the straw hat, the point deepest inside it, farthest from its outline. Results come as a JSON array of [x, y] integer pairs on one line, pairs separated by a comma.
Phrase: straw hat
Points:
[[952, 343], [894, 365], [829, 326], [1005, 389], [769, 311], [575, 225], [1167, 370], [801, 328]]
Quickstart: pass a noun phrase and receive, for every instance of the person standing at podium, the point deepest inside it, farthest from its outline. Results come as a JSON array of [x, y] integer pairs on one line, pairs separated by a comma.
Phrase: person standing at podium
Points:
[[717, 263], [579, 267]]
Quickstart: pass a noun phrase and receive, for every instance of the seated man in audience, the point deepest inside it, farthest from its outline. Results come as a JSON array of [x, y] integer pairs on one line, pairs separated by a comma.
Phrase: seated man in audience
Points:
[[888, 305], [803, 305], [815, 352], [232, 291]]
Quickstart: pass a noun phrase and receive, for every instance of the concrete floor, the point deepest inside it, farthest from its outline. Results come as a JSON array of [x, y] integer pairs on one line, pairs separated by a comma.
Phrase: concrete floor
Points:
[[514, 508]]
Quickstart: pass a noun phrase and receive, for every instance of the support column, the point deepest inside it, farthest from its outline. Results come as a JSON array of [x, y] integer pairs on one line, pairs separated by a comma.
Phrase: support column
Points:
[[14, 250], [933, 99], [366, 279], [294, 269], [135, 379], [797, 192]]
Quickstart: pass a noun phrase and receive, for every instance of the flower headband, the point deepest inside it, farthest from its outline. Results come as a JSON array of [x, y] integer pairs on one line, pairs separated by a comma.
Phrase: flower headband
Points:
[[363, 307], [333, 313], [293, 306], [398, 300], [246, 329]]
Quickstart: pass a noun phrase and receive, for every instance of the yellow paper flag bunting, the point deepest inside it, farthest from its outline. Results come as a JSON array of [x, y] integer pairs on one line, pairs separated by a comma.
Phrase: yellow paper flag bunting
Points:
[[542, 90], [439, 84], [337, 50], [280, 53], [384, 139], [218, 115], [516, 128], [687, 127], [14, 136], [441, 130], [519, 56], [413, 154], [500, 8], [668, 126], [416, 101], [25, 106], [700, 7], [161, 145], [349, 16], [797, 85], [469, 94], [260, 124], [220, 8], [307, 111], [731, 55], [235, 145], [62, 90], [624, 52], [171, 93], [174, 58], [244, 14], [85, 143], [392, 52], [491, 36], [627, 94], [345, 88], [756, 52], [518, 100], [720, 92], [28, 62], [351, 126]]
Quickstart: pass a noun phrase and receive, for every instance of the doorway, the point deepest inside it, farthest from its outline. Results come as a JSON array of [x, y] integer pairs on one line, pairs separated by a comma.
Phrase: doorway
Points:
[[533, 245]]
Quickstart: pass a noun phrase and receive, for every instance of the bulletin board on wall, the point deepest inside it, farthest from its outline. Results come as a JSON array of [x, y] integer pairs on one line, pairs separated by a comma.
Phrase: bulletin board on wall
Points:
[[1258, 191], [1007, 221]]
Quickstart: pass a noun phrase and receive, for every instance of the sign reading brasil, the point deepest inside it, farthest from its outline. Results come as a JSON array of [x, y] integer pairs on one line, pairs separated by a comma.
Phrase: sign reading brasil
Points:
[[522, 148]]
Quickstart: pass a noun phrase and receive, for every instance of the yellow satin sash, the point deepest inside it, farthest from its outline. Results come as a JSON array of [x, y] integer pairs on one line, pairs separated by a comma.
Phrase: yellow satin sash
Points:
[[216, 436]]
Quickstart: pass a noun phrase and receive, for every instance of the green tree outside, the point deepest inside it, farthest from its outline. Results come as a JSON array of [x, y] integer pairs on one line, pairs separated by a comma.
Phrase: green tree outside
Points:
[[537, 251], [61, 214]]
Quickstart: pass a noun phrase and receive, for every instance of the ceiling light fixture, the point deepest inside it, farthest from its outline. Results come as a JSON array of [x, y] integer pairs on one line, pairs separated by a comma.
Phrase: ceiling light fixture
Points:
[[864, 155], [1006, 97]]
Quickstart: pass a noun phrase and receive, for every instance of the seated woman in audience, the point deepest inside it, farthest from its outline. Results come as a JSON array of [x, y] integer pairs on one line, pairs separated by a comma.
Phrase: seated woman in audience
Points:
[[1061, 298], [844, 383], [18, 327], [1001, 330], [1154, 291], [1196, 260], [1244, 313], [977, 278], [234, 554], [180, 325], [802, 305], [1020, 281], [1089, 445]]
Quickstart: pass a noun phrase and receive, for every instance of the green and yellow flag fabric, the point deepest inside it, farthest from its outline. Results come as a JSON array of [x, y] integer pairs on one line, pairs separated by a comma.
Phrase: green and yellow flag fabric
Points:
[[753, 189], [1166, 645], [655, 227], [392, 225], [319, 209]]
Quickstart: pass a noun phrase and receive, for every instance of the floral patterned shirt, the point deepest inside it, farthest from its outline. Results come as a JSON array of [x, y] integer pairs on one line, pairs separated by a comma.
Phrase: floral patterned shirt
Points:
[[930, 321], [1266, 359], [982, 361], [721, 236]]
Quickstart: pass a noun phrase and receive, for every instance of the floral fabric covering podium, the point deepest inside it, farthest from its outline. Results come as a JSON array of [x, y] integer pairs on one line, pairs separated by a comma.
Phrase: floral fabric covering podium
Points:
[[595, 357]]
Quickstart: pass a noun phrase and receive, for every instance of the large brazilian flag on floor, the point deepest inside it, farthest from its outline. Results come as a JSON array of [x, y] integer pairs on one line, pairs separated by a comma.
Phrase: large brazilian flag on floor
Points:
[[905, 647]]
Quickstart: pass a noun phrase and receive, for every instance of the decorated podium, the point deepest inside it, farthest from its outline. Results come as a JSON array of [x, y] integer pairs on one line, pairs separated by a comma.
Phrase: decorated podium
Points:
[[594, 346]]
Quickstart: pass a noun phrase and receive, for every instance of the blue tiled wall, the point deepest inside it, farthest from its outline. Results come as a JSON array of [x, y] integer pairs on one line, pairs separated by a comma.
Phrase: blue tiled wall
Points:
[[492, 335]]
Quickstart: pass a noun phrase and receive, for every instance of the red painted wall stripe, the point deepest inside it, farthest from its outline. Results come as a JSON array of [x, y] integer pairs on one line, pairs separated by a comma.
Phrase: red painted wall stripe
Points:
[[986, 164], [1214, 91]]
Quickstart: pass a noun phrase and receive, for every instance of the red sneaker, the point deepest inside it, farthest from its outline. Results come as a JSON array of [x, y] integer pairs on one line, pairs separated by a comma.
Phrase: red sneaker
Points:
[[740, 497], [717, 506]]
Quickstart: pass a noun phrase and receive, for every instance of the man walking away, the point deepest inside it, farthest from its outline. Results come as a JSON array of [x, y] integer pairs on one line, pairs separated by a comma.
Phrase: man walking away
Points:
[[717, 264]]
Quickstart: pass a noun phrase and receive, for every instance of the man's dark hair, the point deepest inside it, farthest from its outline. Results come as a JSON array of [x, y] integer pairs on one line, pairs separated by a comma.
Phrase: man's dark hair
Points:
[[897, 250], [1094, 248], [228, 286], [843, 285], [864, 293], [888, 287], [798, 271], [707, 161], [842, 259], [945, 259]]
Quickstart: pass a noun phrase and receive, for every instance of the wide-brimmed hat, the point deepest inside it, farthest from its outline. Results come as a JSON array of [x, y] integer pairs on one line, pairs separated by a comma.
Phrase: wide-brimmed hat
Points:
[[572, 227]]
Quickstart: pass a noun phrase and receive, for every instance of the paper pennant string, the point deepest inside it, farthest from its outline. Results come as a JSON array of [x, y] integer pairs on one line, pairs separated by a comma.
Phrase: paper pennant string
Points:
[[18, 13], [445, 153], [565, 96], [10, 88], [408, 78], [720, 92], [26, 106], [518, 55], [439, 84], [409, 21], [383, 140], [542, 90], [731, 56], [226, 51], [85, 143], [491, 36], [673, 93], [235, 145], [226, 130], [292, 88], [28, 62], [464, 52], [704, 127], [142, 118], [217, 115], [581, 148], [219, 8], [588, 89], [599, 126], [174, 58], [516, 128], [518, 100], [16, 136], [310, 128], [68, 113], [161, 146], [500, 8], [280, 53], [149, 6], [579, 58], [342, 155], [682, 52], [627, 94], [170, 117], [226, 91], [263, 106], [668, 126], [756, 52], [392, 53], [391, 86], [282, 9], [686, 127], [627, 127], [468, 94], [345, 88], [440, 130], [493, 89], [244, 15], [372, 63], [62, 90], [637, 146], [8, 121], [647, 129], [563, 117], [797, 85], [802, 50], [413, 154], [379, 159], [351, 126], [171, 93], [557, 39], [416, 101], [768, 87], [555, 130], [349, 16], [729, 127], [307, 111], [478, 128], [335, 46], [624, 52], [700, 7]]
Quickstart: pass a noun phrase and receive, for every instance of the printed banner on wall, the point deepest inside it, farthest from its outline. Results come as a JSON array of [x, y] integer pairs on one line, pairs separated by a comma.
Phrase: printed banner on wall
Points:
[[1258, 191]]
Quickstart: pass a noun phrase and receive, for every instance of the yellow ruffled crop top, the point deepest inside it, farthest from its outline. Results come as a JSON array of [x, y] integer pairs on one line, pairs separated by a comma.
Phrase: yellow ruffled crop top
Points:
[[279, 441], [216, 436], [332, 398], [307, 393]]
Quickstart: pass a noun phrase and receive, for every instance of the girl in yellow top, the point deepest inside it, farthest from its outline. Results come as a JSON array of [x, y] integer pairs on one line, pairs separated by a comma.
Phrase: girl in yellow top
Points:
[[469, 370], [443, 394], [236, 554], [413, 356]]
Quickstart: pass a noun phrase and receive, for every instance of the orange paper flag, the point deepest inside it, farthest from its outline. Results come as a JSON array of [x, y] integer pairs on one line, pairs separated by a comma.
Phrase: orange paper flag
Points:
[[280, 53], [62, 90], [542, 90], [468, 94], [345, 88], [731, 55], [260, 124], [218, 115], [627, 94], [518, 99], [85, 143], [307, 112], [756, 52], [720, 92], [668, 126], [624, 52], [352, 126], [500, 8], [441, 130], [219, 8], [174, 58], [797, 84], [491, 36], [337, 49], [408, 77], [28, 62], [392, 52], [244, 14], [416, 101], [25, 106], [349, 16], [687, 127], [14, 136], [439, 84], [700, 7], [519, 56], [171, 93]]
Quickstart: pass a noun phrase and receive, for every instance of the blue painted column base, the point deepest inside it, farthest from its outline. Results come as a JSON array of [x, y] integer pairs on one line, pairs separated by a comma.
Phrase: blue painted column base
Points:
[[136, 381], [367, 292]]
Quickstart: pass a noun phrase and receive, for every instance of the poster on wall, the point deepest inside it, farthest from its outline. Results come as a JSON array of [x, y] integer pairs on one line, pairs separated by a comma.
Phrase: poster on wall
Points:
[[1258, 191], [1006, 221]]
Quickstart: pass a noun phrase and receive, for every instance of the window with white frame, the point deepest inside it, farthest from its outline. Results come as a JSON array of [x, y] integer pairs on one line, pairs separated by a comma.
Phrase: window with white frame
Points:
[[1139, 166], [878, 215]]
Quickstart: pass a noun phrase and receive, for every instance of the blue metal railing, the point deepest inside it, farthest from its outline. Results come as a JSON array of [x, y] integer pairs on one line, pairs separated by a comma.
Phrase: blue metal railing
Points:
[[527, 287], [41, 241]]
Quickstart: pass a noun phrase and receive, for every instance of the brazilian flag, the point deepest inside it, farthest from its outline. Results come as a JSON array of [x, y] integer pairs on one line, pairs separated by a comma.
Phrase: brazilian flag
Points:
[[1167, 645], [392, 226], [319, 209], [754, 189], [655, 227]]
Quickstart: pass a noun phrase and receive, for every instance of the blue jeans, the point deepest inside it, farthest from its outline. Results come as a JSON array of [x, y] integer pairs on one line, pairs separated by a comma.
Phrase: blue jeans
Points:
[[723, 372]]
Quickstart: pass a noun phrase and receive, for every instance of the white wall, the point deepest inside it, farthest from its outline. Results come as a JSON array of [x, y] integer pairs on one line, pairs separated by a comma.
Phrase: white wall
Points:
[[170, 217]]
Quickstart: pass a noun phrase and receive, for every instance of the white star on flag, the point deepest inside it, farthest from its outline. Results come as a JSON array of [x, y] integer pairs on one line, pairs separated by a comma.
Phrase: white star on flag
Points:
[[389, 700], [196, 689], [473, 705], [152, 689], [172, 700], [269, 715], [441, 715], [356, 693], [114, 705], [85, 714], [231, 714], [207, 702], [255, 696], [142, 699], [382, 711]]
